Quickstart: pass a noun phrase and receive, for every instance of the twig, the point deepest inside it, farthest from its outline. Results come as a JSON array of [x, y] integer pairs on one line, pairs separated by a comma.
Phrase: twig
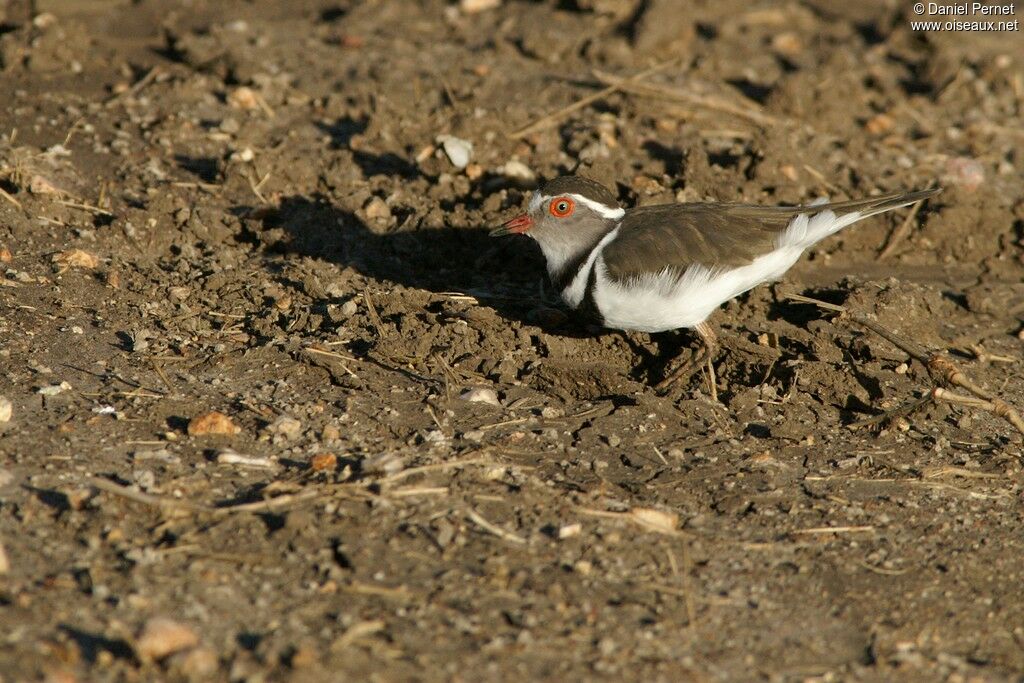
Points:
[[372, 312], [995, 406], [108, 486], [889, 415], [940, 368], [897, 236], [475, 517], [8, 197], [832, 530], [139, 85], [85, 207], [554, 117], [751, 112]]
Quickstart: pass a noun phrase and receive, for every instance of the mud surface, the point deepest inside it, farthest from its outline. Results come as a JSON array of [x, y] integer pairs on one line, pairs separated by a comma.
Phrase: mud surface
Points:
[[243, 207]]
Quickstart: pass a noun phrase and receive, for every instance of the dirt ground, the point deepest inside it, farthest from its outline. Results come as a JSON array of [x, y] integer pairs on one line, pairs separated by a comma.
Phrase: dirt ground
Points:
[[422, 469]]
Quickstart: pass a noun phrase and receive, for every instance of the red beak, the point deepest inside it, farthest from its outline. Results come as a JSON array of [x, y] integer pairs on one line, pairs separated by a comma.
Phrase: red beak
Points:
[[516, 226]]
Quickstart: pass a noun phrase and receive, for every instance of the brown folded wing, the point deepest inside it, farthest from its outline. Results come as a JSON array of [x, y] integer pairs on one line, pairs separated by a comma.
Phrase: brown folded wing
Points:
[[676, 236]]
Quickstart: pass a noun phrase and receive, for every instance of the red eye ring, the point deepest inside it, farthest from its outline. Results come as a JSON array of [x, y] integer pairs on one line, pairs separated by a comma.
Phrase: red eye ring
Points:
[[561, 207]]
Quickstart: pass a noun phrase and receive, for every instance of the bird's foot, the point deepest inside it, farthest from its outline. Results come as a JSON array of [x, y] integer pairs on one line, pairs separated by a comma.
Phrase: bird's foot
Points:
[[703, 358]]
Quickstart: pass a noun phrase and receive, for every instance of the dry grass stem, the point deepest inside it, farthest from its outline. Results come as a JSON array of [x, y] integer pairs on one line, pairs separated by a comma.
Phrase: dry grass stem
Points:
[[899, 234], [477, 519], [552, 119]]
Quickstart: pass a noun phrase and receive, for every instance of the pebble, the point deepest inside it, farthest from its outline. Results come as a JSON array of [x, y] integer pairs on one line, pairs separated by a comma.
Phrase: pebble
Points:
[[349, 308], [474, 435], [518, 172], [162, 637], [965, 172], [243, 98], [481, 395], [286, 426], [376, 209], [5, 255], [231, 457], [5, 563], [459, 151], [323, 461], [6, 409], [879, 124], [212, 423], [76, 258], [54, 389], [570, 530], [198, 664], [38, 184], [474, 6]]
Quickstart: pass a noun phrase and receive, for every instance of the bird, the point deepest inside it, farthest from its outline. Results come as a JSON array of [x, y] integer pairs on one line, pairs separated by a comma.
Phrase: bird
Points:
[[666, 267]]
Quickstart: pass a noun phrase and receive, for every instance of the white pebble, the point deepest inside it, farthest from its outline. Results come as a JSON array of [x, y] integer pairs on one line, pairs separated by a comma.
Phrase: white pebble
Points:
[[474, 6], [459, 151], [481, 395], [54, 389], [518, 171], [229, 457], [6, 409]]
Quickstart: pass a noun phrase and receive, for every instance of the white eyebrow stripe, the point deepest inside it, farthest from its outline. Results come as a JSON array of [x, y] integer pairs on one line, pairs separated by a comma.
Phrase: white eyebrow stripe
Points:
[[597, 207], [535, 201]]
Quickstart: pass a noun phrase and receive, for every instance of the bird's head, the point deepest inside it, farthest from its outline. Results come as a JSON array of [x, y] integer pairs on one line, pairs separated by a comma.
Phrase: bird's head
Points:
[[566, 216]]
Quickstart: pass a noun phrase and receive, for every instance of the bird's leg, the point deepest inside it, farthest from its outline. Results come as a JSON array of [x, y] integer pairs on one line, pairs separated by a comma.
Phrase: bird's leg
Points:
[[707, 353]]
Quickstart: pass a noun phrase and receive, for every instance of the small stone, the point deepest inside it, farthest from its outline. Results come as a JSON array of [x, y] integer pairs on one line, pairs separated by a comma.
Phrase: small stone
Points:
[[38, 184], [788, 44], [5, 563], [230, 457], [229, 126], [377, 209], [54, 389], [243, 98], [474, 6], [5, 255], [349, 308], [286, 426], [75, 258], [6, 409], [474, 435], [213, 423], [162, 637], [655, 520], [197, 664], [880, 124], [459, 151], [323, 461], [569, 530], [330, 433], [518, 173], [481, 395], [474, 171], [965, 172]]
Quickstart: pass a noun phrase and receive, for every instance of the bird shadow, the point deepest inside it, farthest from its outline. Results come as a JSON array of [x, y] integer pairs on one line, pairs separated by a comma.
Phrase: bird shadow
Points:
[[503, 274]]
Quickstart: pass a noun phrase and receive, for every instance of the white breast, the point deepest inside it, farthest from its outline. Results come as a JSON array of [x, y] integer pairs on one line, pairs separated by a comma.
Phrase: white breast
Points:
[[656, 302]]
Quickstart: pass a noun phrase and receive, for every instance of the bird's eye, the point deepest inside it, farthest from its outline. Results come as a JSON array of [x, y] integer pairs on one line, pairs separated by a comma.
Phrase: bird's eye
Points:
[[562, 207]]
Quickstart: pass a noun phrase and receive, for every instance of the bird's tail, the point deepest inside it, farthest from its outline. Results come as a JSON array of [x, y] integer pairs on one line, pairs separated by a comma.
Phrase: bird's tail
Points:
[[821, 219]]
